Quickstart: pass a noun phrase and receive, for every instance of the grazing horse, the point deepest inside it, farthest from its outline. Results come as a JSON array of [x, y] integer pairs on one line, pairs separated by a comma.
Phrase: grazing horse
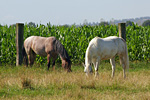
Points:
[[103, 49], [45, 46]]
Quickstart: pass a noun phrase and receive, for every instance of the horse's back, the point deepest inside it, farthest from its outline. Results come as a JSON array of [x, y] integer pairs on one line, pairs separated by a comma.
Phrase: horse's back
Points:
[[105, 48], [40, 45]]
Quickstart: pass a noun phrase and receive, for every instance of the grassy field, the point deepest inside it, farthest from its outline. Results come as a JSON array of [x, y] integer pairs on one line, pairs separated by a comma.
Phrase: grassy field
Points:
[[36, 83]]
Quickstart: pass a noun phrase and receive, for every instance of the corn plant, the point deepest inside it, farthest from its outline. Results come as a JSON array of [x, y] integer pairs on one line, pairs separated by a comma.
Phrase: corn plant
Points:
[[75, 40]]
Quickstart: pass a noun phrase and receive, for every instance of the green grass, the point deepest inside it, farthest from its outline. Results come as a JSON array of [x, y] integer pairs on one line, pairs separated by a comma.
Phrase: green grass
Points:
[[60, 85]]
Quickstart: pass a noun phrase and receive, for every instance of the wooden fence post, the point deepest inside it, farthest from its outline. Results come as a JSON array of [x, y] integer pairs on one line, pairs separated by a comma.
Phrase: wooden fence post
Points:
[[19, 43], [122, 30]]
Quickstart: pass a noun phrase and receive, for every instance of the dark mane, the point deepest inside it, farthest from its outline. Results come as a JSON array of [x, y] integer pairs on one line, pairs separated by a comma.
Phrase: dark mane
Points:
[[59, 48]]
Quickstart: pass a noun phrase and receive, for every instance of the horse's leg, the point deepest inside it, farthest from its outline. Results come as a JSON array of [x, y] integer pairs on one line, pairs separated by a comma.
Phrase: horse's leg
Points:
[[26, 60], [96, 69], [29, 59], [53, 65], [96, 65], [112, 62], [122, 62], [32, 57], [48, 61]]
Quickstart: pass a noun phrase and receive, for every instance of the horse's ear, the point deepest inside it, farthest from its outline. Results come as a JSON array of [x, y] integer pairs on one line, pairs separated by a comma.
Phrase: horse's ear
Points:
[[83, 64]]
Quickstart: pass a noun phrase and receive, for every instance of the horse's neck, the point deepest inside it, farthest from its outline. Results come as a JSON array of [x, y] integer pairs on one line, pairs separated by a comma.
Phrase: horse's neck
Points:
[[61, 50], [62, 57], [63, 54], [87, 58]]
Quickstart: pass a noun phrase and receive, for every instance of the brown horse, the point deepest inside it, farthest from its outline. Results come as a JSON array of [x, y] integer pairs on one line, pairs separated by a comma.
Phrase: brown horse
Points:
[[45, 46]]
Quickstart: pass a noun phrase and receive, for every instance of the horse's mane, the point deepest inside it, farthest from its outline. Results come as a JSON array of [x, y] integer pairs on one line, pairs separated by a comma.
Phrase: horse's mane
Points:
[[59, 48]]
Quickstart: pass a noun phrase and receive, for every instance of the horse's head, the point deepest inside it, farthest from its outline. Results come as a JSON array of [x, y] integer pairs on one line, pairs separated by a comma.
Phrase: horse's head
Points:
[[87, 68], [67, 65]]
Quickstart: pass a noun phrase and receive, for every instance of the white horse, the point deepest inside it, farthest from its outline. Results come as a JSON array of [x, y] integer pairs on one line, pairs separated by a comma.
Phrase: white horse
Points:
[[103, 49]]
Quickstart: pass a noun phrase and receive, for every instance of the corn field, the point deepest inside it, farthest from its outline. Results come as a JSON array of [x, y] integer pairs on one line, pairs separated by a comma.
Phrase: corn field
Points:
[[75, 40]]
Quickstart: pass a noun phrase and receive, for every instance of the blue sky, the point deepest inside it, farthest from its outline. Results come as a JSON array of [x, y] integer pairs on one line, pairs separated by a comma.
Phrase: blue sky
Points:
[[60, 12]]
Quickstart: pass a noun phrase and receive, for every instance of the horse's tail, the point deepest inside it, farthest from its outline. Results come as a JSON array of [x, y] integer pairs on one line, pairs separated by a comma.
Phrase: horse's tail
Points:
[[24, 54], [126, 55]]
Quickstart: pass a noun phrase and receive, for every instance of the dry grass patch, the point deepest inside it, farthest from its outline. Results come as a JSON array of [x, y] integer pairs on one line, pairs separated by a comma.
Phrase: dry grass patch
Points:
[[37, 83]]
